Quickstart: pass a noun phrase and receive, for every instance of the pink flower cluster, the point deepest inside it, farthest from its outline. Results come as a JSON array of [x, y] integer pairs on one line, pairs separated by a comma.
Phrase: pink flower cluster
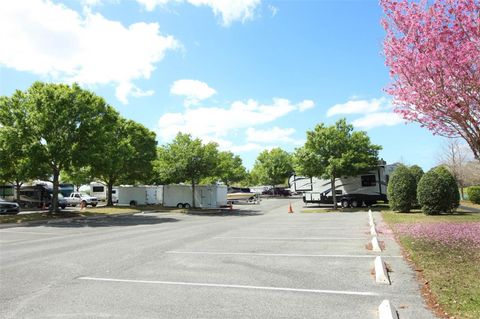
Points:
[[448, 234]]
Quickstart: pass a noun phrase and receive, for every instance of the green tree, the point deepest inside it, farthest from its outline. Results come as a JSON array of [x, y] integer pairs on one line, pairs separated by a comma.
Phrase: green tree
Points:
[[131, 149], [78, 176], [273, 167], [230, 169], [186, 159], [17, 149], [334, 151], [402, 189], [63, 124]]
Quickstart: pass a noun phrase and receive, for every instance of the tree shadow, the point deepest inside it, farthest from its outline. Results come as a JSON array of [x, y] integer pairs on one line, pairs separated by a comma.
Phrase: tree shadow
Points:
[[110, 221], [226, 213]]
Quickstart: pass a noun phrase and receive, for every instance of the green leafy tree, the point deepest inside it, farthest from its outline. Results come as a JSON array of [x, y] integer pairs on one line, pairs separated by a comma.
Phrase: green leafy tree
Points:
[[230, 169], [334, 151], [63, 125], [131, 149], [78, 176], [402, 189], [186, 159], [273, 167]]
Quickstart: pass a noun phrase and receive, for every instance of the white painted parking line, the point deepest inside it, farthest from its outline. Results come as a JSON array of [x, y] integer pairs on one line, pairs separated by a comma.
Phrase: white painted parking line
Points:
[[26, 232], [293, 238], [271, 254], [180, 283]]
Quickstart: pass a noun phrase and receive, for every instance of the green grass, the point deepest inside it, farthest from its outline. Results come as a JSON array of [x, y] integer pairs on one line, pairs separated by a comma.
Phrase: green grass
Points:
[[468, 203], [453, 273]]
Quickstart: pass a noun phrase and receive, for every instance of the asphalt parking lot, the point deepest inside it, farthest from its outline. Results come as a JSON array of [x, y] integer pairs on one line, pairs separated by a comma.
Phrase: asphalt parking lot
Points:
[[254, 262]]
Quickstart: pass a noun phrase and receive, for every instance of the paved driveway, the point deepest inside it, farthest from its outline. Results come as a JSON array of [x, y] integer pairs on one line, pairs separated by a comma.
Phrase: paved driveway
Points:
[[258, 262]]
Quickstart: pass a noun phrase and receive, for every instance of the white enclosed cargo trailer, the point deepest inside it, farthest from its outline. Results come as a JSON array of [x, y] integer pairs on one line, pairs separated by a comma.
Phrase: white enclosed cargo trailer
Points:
[[206, 196], [140, 195]]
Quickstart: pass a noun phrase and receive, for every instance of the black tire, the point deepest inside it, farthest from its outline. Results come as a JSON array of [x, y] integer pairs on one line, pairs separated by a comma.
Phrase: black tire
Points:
[[179, 205], [94, 205], [369, 203], [133, 203], [186, 205], [63, 206], [345, 203], [356, 203], [84, 203]]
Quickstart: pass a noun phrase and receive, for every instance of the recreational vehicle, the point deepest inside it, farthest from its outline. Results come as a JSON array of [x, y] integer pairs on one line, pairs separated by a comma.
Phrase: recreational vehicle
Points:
[[350, 191]]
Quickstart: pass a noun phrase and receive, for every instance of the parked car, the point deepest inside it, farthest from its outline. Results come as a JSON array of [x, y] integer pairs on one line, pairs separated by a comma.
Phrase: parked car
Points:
[[9, 207], [276, 191], [78, 198]]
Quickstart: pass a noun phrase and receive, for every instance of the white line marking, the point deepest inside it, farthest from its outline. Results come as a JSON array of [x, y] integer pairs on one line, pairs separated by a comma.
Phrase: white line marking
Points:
[[293, 238], [26, 232], [272, 255], [180, 283]]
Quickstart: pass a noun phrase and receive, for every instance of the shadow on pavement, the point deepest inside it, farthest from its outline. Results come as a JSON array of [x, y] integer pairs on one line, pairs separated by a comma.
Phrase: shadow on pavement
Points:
[[226, 213], [108, 221]]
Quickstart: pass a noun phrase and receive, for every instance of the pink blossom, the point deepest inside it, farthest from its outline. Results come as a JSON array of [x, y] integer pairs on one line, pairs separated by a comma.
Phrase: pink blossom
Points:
[[447, 234]]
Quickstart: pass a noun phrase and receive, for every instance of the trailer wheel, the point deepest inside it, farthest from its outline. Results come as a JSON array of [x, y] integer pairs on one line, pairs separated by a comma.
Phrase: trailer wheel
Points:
[[345, 203], [133, 203], [187, 205], [179, 205], [355, 203]]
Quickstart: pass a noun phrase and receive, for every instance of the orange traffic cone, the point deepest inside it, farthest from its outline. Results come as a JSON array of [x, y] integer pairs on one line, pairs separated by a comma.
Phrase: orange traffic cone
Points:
[[290, 210]]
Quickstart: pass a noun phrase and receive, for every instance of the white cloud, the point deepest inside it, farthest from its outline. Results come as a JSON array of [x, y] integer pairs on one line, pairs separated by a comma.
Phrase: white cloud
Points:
[[193, 90], [357, 107], [273, 10], [306, 105], [274, 134], [230, 10], [219, 122], [51, 40], [372, 120]]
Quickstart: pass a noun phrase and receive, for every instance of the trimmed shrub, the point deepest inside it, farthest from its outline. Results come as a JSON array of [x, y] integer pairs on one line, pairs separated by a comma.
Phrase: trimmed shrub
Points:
[[474, 194], [437, 192], [401, 190], [417, 172]]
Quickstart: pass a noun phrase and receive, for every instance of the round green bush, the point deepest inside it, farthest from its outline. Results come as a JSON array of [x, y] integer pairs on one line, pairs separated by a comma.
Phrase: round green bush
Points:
[[401, 190], [417, 172], [474, 194], [437, 192]]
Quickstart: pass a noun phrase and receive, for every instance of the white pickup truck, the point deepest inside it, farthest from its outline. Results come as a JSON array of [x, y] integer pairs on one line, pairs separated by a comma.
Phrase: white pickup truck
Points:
[[77, 198]]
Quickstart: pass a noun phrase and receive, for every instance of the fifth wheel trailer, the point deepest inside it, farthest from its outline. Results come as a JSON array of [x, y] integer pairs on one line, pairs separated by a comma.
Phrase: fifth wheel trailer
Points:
[[351, 191], [206, 196]]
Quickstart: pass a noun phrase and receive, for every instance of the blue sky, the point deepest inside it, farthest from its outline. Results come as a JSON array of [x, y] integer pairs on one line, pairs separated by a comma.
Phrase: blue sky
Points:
[[247, 74]]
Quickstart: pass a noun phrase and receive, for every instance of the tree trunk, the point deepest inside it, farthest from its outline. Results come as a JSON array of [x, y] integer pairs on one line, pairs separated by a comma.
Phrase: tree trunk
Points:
[[193, 193], [461, 192], [54, 203], [334, 195], [273, 190], [109, 193], [18, 186]]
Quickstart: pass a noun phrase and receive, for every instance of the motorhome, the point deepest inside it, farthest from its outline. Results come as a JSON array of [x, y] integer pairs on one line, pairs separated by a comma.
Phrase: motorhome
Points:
[[350, 191]]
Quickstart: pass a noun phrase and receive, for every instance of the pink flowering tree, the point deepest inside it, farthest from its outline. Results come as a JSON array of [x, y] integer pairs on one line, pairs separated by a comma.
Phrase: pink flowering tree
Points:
[[433, 51]]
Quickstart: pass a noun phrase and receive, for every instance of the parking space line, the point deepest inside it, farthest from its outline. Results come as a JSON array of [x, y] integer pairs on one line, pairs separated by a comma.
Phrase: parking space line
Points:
[[180, 283], [273, 255], [26, 232], [293, 238]]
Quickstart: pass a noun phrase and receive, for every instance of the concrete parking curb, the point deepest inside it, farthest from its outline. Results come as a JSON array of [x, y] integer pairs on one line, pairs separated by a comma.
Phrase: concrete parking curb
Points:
[[375, 244], [387, 311], [381, 273]]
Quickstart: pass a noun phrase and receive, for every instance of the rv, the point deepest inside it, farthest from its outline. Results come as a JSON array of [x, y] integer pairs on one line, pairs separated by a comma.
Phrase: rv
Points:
[[350, 191], [7, 192], [139, 195], [38, 196], [206, 196]]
